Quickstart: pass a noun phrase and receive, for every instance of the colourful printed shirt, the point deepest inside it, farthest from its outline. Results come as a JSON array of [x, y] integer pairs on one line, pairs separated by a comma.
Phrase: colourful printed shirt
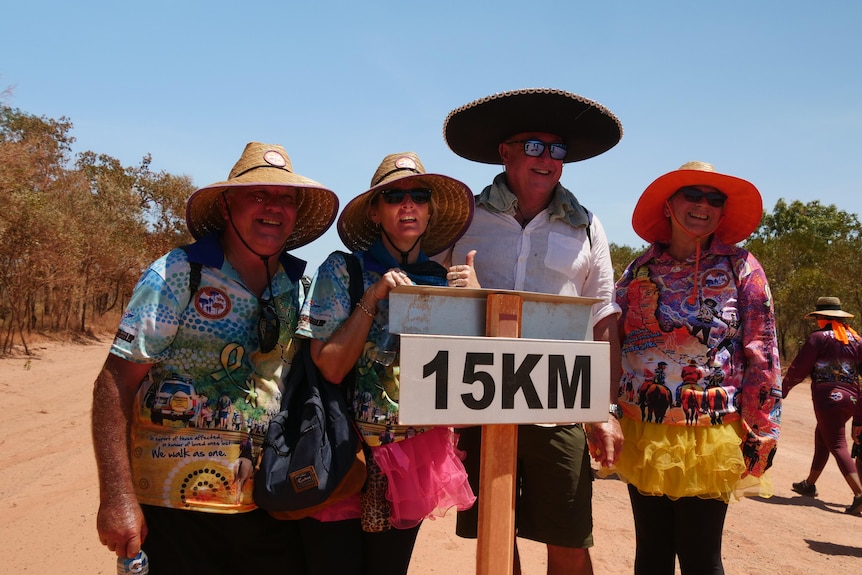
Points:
[[376, 392], [701, 353], [201, 413], [827, 361]]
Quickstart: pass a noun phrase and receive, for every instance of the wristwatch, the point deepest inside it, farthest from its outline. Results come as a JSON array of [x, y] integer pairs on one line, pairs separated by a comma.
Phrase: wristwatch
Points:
[[615, 410]]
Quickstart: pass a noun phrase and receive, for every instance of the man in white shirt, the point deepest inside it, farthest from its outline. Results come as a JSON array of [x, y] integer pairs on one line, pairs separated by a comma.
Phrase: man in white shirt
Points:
[[529, 233]]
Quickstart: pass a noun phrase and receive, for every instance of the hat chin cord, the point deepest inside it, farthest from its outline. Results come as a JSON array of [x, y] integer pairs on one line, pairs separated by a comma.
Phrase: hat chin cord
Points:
[[264, 258], [404, 255], [697, 241]]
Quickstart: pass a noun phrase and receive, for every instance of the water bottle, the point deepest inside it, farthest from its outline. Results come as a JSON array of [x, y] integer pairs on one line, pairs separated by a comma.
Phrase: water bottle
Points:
[[137, 565]]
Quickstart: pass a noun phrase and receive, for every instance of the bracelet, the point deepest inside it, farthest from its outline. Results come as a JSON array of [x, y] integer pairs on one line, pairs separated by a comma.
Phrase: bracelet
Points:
[[361, 305]]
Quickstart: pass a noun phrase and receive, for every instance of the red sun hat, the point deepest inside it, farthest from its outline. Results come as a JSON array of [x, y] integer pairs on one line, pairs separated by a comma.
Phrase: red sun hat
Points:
[[742, 211]]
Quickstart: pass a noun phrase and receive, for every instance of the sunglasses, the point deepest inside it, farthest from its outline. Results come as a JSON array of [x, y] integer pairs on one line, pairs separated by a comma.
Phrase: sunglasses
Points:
[[695, 195], [417, 196], [535, 148], [268, 326]]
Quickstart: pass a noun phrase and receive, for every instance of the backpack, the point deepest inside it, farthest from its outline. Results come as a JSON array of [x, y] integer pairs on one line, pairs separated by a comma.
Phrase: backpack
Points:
[[311, 455]]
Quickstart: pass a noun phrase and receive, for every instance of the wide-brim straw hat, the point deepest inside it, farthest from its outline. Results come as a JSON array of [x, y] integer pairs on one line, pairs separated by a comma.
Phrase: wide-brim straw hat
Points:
[[266, 165], [828, 306], [453, 202], [742, 211], [475, 130]]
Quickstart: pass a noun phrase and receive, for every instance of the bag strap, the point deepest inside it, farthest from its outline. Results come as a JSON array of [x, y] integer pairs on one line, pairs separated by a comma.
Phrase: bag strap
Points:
[[356, 287]]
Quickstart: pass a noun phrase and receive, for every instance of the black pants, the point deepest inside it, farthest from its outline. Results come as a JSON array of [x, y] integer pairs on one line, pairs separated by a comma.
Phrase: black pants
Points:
[[342, 548], [689, 528]]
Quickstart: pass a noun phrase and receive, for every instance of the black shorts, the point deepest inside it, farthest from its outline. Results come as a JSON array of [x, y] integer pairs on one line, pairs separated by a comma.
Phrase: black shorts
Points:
[[182, 542], [554, 500]]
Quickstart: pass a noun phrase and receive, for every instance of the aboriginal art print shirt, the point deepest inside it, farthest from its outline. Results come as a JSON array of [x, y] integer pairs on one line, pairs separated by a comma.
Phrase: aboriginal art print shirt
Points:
[[201, 414], [700, 348]]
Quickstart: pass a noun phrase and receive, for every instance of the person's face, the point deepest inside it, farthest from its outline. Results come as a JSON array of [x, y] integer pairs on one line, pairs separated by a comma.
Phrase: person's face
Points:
[[405, 221], [695, 211], [263, 216], [528, 175]]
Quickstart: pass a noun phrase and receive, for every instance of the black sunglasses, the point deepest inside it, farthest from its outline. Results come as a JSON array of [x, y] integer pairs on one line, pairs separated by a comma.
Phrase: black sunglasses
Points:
[[417, 195], [535, 148], [694, 195], [268, 326]]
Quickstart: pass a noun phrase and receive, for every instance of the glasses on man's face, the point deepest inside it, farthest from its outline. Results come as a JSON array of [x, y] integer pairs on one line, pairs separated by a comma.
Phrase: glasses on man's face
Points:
[[535, 148], [695, 195], [417, 196], [268, 326]]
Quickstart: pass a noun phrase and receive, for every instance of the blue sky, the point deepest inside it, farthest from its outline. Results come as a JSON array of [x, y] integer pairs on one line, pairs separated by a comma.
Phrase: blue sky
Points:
[[770, 91]]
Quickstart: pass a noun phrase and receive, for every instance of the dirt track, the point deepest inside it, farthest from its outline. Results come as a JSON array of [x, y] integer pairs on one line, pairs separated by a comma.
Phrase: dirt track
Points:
[[48, 492]]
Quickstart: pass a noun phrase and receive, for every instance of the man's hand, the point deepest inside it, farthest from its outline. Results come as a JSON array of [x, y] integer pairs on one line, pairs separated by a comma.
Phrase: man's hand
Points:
[[463, 275], [121, 525], [606, 441]]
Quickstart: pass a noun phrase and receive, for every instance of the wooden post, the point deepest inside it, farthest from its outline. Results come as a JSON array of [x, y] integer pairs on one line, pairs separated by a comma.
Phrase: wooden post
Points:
[[497, 481]]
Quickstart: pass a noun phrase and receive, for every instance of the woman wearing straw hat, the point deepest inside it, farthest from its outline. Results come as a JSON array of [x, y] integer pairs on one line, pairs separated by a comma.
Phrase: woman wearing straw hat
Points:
[[695, 299], [214, 319], [406, 216], [832, 358]]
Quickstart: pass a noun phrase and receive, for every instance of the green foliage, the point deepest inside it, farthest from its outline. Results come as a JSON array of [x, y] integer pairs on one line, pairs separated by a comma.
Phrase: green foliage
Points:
[[74, 237]]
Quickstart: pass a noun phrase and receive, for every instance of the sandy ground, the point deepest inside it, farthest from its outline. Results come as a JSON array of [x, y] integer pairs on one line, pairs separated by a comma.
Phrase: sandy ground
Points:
[[48, 492]]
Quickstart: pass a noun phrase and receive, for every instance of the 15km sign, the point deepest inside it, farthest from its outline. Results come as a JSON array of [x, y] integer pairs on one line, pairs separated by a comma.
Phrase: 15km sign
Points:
[[450, 380]]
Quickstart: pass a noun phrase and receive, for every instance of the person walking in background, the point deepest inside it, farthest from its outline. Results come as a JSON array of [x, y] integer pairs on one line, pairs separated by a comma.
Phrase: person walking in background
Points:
[[213, 319], [413, 473], [832, 358], [532, 234], [701, 306]]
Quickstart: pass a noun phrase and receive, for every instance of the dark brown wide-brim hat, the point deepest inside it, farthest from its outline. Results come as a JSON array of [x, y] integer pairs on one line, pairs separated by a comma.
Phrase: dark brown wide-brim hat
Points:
[[452, 200], [742, 211], [475, 130], [829, 307], [266, 165]]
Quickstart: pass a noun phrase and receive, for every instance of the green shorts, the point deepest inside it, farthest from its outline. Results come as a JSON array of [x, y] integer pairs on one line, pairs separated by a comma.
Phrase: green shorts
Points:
[[554, 502]]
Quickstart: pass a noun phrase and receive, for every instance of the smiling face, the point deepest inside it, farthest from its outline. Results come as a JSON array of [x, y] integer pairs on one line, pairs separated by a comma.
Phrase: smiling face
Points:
[[531, 177], [263, 216], [403, 222], [698, 218]]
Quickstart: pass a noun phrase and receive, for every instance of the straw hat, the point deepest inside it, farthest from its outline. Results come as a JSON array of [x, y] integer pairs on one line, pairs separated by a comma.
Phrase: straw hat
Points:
[[742, 212], [475, 130], [266, 165], [453, 202], [828, 307]]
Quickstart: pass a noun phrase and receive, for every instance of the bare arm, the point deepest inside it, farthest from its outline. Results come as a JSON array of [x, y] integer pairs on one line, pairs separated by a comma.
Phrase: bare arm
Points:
[[120, 521], [607, 438], [336, 356]]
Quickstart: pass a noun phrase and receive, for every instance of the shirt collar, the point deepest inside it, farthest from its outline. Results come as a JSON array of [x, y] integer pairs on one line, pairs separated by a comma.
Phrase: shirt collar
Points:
[[497, 197]]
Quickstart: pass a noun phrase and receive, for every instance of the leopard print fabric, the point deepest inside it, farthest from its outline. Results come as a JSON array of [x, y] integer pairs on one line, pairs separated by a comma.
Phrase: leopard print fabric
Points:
[[375, 506]]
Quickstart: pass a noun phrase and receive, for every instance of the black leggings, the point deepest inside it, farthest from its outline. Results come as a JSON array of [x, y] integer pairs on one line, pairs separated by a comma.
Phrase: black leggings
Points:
[[689, 528], [343, 548]]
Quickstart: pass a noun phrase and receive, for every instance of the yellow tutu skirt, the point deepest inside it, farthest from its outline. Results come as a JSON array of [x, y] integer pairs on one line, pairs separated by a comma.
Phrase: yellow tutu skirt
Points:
[[686, 461]]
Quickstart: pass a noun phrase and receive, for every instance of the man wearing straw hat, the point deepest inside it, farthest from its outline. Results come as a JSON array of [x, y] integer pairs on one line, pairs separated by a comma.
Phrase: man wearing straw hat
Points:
[[530, 233], [832, 358], [210, 322]]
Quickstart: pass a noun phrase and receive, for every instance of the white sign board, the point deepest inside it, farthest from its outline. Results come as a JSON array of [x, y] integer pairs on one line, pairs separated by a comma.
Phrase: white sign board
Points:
[[451, 380]]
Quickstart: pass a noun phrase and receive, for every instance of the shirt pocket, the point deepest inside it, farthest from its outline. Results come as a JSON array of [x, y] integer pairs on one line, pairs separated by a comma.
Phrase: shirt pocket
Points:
[[566, 255]]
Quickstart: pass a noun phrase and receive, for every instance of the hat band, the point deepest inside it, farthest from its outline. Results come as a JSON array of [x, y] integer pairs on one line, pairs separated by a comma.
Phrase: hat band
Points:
[[827, 306], [384, 176], [261, 166]]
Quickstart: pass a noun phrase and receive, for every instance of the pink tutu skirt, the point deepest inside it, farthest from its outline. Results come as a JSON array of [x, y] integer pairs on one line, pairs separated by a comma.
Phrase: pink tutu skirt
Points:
[[426, 477]]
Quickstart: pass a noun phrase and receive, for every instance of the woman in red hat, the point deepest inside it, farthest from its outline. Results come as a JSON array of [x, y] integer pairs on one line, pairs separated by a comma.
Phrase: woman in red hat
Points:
[[698, 304]]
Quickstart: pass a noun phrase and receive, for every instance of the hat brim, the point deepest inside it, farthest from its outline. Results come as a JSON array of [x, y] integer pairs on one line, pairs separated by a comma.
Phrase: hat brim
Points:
[[828, 313], [316, 206], [742, 212], [453, 200], [475, 130]]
